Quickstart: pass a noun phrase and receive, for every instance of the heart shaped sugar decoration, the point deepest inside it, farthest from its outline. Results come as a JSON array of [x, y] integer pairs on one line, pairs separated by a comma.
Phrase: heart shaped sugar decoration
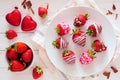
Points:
[[14, 17], [28, 24]]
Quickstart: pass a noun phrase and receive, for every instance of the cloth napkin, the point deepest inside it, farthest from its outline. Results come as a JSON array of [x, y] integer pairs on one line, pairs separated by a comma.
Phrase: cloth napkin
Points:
[[38, 38]]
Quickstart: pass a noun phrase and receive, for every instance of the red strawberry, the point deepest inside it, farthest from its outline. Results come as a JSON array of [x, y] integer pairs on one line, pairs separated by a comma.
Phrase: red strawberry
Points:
[[60, 43], [11, 54], [14, 17], [79, 37], [16, 66], [69, 56], [27, 56], [37, 72], [42, 12], [98, 46], [80, 20], [28, 24], [87, 57], [10, 34], [94, 30], [62, 28], [20, 47]]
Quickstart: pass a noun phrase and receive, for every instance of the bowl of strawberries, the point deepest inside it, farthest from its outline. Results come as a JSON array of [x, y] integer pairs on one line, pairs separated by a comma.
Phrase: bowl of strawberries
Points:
[[19, 56]]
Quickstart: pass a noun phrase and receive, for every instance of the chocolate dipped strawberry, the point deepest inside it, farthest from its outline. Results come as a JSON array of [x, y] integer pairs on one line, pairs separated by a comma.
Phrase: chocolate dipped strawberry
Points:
[[14, 17], [62, 28], [60, 43], [87, 57], [98, 46], [28, 24], [80, 20], [94, 30], [69, 56], [79, 37]]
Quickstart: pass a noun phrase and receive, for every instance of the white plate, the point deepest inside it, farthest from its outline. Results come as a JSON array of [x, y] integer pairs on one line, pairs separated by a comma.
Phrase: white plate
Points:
[[102, 60], [106, 5]]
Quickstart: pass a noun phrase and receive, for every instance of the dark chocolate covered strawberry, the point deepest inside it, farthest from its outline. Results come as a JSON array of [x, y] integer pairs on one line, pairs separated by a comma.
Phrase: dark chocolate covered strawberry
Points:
[[98, 46], [80, 20]]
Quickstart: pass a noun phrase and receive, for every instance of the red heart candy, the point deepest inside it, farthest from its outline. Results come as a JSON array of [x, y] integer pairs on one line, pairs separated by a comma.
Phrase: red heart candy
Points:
[[28, 24], [14, 18]]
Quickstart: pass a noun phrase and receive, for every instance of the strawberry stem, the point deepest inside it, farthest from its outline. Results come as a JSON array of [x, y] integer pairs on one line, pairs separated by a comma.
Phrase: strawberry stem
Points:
[[8, 48], [91, 53], [39, 69], [57, 29], [44, 16], [89, 32], [54, 43], [75, 31], [87, 16], [66, 52]]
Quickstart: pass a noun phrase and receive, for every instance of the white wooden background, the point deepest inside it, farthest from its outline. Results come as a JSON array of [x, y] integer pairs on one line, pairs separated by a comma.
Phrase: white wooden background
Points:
[[7, 6]]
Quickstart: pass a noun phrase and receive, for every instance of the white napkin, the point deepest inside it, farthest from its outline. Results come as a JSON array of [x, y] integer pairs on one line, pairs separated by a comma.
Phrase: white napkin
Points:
[[39, 39]]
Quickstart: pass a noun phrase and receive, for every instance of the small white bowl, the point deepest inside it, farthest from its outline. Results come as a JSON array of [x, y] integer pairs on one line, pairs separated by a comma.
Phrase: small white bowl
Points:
[[31, 64]]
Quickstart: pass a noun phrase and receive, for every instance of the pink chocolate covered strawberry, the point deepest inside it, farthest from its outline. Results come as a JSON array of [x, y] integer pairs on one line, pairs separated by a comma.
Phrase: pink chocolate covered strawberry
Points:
[[87, 57], [94, 30], [14, 17], [69, 56], [62, 28], [60, 43], [79, 37], [80, 20], [98, 46]]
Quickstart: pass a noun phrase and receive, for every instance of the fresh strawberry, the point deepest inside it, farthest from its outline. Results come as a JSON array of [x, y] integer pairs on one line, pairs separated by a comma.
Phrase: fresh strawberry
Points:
[[14, 17], [28, 24], [79, 37], [69, 56], [80, 20], [98, 46], [60, 43], [11, 54], [37, 72], [62, 28], [42, 12], [27, 56], [10, 34], [20, 47], [94, 30], [16, 66], [87, 57]]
